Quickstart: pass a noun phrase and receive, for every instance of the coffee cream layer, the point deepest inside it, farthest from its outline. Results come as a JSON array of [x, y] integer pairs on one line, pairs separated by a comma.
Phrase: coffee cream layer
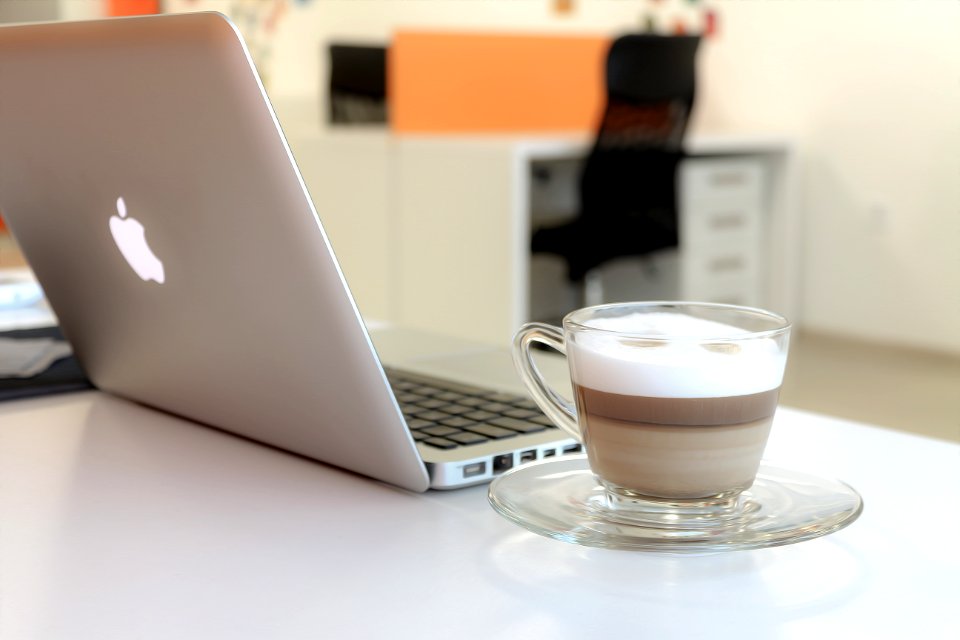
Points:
[[680, 409]]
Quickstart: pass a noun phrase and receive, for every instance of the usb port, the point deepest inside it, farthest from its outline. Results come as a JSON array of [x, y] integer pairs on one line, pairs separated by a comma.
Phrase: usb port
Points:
[[474, 469], [502, 462], [573, 448], [528, 456], [549, 453]]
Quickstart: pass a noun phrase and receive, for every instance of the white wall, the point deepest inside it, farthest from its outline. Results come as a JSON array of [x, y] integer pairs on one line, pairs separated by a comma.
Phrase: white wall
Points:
[[869, 89]]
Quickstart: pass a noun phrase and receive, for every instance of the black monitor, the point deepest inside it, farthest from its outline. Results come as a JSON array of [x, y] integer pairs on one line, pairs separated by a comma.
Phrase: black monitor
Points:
[[358, 84]]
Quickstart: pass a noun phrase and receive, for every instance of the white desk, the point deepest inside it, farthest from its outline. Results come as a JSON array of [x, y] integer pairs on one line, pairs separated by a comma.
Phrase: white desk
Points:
[[433, 231], [120, 522]]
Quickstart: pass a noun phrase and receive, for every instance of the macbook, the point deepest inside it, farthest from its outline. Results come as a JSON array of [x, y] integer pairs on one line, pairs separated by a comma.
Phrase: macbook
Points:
[[146, 179]]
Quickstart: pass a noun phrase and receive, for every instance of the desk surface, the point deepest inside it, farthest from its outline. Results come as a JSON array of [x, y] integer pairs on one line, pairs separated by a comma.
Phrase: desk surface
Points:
[[120, 522]]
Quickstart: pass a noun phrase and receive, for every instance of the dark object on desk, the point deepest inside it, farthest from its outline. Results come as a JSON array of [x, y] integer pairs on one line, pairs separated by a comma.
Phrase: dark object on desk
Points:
[[628, 184], [358, 84], [61, 377]]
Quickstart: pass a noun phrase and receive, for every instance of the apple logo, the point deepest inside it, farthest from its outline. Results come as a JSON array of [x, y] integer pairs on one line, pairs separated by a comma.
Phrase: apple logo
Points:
[[128, 234]]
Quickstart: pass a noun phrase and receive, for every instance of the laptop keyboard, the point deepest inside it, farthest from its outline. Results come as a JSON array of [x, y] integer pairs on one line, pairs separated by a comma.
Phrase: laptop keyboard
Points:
[[447, 415]]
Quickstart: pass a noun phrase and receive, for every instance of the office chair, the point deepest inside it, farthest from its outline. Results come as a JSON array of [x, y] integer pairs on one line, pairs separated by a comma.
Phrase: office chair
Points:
[[628, 182]]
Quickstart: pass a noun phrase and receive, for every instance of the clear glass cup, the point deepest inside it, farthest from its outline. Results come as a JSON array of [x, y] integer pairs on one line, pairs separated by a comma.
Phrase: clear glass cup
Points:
[[673, 400]]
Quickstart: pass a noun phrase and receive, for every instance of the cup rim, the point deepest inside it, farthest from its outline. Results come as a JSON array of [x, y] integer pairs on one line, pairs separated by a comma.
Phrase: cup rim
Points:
[[784, 325]]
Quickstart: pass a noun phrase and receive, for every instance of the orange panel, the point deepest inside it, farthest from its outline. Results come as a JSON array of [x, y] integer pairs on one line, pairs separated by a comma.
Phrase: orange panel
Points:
[[470, 82], [132, 7]]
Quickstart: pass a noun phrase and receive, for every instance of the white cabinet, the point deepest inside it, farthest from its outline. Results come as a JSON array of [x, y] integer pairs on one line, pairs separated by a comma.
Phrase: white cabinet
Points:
[[721, 202]]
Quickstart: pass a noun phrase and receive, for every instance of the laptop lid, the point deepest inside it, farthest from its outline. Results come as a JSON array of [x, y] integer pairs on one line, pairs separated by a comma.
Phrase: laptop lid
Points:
[[145, 177]]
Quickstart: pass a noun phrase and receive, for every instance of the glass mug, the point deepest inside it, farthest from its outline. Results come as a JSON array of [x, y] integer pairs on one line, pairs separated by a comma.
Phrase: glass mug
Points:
[[674, 400]]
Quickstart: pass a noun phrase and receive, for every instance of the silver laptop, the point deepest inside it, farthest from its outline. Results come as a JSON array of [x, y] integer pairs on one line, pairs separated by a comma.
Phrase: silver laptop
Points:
[[146, 179]]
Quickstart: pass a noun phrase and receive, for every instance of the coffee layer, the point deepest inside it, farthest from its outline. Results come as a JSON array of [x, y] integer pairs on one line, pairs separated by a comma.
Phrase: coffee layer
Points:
[[677, 448], [676, 462], [678, 411]]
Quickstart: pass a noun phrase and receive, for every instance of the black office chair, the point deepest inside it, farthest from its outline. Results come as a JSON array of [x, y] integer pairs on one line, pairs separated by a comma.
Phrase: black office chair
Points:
[[628, 183]]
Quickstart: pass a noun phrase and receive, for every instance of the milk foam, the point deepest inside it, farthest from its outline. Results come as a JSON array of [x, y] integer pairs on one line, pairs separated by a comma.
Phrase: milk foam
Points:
[[682, 369], [665, 324]]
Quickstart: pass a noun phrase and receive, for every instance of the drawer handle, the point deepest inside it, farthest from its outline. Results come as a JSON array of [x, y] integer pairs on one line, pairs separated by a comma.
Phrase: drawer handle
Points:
[[727, 221], [728, 263], [728, 178]]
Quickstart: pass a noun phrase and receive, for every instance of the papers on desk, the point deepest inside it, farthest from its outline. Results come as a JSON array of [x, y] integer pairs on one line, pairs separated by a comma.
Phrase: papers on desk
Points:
[[22, 304], [28, 357]]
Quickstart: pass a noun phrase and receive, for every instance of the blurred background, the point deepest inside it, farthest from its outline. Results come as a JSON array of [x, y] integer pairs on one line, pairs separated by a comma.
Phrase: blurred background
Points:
[[849, 111]]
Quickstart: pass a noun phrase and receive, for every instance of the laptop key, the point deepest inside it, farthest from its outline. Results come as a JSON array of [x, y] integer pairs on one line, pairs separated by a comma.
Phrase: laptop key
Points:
[[424, 390], [439, 430], [419, 436], [527, 404], [503, 397], [410, 398], [492, 431], [441, 443], [521, 426], [453, 409], [468, 437], [431, 403], [495, 407], [449, 396], [432, 416], [472, 401], [458, 421], [417, 423], [521, 414], [544, 420], [480, 416]]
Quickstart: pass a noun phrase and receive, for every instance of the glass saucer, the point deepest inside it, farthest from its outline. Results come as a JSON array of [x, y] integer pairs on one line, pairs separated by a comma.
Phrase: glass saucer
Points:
[[560, 498]]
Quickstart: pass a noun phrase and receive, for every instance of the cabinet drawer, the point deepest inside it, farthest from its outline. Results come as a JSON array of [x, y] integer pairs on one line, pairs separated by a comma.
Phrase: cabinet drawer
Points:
[[708, 178], [704, 265], [720, 221]]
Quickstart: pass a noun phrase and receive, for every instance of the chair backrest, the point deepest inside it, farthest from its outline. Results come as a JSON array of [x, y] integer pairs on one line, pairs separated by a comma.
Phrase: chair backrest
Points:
[[650, 89], [631, 169], [628, 182]]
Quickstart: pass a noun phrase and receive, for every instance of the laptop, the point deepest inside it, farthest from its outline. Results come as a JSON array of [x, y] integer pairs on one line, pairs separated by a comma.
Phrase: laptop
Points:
[[145, 177]]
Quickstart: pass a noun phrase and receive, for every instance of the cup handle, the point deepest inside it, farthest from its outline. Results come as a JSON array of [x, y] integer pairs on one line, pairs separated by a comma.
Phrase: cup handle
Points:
[[556, 407]]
